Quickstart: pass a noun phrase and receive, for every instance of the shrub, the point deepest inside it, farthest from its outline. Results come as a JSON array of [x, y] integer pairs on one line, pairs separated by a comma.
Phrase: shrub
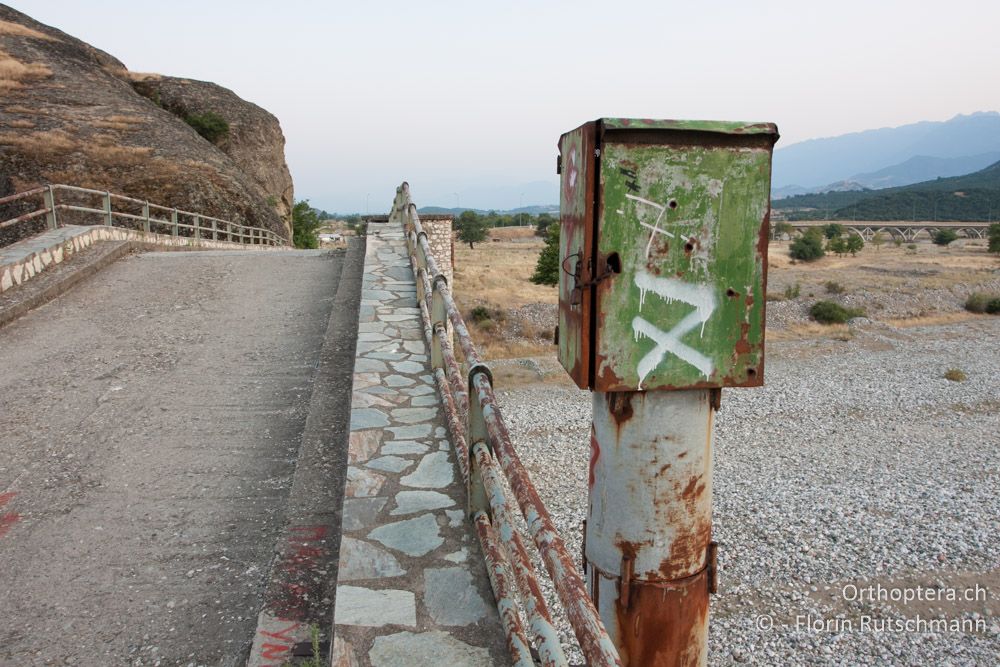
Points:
[[912, 248], [830, 312], [479, 313], [955, 375], [833, 287], [482, 314], [944, 236], [793, 291], [210, 125], [980, 302], [808, 247], [774, 296]]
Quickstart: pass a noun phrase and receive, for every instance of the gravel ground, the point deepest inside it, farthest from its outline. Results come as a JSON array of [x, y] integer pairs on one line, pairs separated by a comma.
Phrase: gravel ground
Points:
[[881, 303], [857, 465]]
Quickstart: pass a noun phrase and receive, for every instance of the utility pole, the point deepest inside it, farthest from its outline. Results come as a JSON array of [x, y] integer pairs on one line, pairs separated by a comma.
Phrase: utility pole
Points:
[[647, 323]]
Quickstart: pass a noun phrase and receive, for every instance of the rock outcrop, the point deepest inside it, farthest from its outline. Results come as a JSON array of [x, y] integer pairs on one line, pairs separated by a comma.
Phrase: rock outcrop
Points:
[[70, 113]]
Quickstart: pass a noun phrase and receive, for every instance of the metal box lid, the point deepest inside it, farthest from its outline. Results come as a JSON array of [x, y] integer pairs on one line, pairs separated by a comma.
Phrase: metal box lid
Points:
[[665, 227]]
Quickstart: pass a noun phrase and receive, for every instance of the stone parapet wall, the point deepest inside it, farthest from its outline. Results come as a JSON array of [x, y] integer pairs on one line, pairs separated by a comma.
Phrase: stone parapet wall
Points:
[[440, 240]]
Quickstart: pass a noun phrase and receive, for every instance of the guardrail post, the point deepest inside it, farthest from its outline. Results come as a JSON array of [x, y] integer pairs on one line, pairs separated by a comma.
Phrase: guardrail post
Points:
[[215, 230], [439, 316], [106, 200], [49, 197], [476, 433], [229, 231], [174, 229], [145, 217], [197, 227]]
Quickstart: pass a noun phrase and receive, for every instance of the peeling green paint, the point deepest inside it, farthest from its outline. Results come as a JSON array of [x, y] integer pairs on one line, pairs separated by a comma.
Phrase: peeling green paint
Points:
[[687, 308]]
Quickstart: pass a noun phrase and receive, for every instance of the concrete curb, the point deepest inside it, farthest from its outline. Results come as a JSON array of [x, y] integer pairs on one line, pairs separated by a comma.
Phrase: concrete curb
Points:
[[32, 296], [300, 590], [22, 261]]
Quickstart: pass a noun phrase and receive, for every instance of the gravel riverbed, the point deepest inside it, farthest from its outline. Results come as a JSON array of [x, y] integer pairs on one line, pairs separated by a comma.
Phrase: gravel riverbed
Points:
[[856, 465]]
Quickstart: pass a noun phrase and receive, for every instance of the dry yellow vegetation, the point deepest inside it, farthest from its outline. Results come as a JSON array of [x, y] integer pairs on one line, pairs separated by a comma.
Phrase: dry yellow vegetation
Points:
[[496, 273], [14, 73], [18, 30]]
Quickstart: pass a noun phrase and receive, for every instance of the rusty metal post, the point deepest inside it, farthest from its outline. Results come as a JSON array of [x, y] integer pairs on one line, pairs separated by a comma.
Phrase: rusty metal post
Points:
[[648, 549]]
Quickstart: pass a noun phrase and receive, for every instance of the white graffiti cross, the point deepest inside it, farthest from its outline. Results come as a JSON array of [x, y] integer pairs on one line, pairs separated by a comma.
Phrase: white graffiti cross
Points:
[[702, 297]]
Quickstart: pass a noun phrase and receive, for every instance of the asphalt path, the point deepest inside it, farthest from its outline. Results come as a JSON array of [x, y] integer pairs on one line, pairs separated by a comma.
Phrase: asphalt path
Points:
[[150, 424]]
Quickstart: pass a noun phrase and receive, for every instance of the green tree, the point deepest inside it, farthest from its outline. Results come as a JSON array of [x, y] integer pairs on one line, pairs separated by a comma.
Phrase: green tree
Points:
[[542, 223], [833, 230], [547, 268], [305, 222], [994, 236], [837, 245], [854, 244], [944, 236], [808, 247], [471, 228], [878, 239]]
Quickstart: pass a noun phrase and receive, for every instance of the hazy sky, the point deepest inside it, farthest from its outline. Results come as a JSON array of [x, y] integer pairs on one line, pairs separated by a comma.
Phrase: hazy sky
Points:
[[471, 97]]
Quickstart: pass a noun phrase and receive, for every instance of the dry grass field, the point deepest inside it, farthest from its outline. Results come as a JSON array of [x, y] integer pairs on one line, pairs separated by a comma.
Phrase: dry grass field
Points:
[[898, 286]]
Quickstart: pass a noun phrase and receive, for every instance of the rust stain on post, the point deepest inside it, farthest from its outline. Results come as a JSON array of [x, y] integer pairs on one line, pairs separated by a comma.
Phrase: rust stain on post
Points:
[[661, 623]]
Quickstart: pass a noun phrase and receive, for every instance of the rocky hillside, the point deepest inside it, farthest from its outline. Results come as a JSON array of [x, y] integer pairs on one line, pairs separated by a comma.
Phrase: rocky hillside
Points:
[[70, 113]]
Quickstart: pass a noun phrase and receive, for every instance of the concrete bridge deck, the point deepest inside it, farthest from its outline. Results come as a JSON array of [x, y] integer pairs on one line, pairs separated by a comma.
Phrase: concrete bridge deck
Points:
[[150, 424]]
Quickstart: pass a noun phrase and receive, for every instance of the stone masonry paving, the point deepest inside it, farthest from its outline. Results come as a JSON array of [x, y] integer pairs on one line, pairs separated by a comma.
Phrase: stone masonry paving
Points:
[[412, 587]]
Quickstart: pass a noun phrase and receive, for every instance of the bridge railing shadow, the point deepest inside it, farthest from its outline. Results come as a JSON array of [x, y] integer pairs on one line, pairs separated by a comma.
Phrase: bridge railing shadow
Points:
[[486, 455]]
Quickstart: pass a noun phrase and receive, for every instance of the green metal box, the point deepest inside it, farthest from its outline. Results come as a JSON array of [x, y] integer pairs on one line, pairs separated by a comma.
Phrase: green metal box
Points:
[[664, 230]]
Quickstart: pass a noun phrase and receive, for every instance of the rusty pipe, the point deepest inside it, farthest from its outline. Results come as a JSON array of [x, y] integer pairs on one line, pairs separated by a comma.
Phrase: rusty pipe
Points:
[[649, 523], [594, 641]]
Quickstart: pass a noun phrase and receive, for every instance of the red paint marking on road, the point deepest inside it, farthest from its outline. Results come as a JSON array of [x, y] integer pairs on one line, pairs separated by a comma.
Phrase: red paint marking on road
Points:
[[7, 520], [275, 651], [272, 651]]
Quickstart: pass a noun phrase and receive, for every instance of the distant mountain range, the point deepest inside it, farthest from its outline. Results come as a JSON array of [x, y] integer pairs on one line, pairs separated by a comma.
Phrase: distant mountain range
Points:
[[971, 197], [888, 156], [914, 170]]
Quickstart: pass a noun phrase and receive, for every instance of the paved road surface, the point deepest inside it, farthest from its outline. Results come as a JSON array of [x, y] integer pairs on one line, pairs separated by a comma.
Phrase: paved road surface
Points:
[[149, 425]]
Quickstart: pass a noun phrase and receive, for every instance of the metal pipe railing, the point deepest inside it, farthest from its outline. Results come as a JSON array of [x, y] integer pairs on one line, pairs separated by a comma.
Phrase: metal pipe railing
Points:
[[480, 435], [107, 212]]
